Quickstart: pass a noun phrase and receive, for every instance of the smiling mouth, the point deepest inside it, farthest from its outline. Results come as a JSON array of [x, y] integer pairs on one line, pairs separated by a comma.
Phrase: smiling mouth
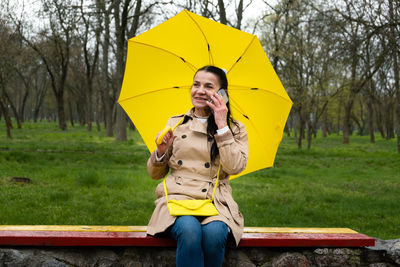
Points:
[[201, 99]]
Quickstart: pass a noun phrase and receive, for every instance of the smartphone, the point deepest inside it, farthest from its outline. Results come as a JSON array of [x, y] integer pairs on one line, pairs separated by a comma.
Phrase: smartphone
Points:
[[222, 93]]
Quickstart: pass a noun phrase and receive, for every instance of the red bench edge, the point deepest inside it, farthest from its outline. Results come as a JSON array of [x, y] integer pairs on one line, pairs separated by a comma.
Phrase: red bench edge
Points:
[[141, 239]]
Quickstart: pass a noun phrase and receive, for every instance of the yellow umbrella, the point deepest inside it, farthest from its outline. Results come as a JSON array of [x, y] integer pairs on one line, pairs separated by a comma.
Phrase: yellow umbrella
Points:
[[159, 73]]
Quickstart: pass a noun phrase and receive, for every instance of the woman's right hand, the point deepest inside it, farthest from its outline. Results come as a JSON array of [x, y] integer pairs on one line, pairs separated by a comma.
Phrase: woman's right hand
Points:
[[165, 144]]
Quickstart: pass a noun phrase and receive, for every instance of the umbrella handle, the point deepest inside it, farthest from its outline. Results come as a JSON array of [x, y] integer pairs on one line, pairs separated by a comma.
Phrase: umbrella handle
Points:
[[162, 134], [166, 130]]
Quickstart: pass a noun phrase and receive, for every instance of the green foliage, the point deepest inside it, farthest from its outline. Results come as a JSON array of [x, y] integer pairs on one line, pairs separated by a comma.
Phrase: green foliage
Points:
[[85, 178]]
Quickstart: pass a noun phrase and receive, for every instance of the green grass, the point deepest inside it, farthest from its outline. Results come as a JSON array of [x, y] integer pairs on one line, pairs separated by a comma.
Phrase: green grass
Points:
[[84, 178]]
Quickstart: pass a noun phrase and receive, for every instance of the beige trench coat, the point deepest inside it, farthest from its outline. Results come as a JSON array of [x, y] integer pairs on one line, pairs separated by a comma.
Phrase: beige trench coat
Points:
[[193, 176]]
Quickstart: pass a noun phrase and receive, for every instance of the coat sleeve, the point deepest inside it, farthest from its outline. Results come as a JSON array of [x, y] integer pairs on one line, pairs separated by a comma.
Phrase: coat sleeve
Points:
[[159, 169], [233, 149]]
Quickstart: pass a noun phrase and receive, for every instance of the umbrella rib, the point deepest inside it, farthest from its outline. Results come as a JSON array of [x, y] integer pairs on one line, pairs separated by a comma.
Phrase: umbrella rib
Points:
[[210, 57], [191, 66], [240, 110], [153, 91], [237, 107], [241, 87], [244, 52]]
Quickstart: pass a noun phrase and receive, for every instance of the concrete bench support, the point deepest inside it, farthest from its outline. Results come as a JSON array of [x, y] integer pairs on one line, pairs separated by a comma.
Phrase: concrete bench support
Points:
[[63, 246]]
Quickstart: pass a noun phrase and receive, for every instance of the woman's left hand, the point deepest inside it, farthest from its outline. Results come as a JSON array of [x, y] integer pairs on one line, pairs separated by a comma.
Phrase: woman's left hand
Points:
[[220, 109]]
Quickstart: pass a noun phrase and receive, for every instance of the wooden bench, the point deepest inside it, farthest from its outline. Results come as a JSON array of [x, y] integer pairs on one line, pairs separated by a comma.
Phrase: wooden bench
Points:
[[63, 235]]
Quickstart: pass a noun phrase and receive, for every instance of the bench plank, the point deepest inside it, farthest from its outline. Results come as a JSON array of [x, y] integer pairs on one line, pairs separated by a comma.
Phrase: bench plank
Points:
[[112, 228], [136, 236]]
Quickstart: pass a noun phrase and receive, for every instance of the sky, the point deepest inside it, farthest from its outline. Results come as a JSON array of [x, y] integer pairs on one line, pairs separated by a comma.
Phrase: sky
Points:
[[253, 11]]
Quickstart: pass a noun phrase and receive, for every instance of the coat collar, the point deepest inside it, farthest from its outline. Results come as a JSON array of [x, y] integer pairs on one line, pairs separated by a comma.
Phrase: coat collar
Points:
[[195, 124]]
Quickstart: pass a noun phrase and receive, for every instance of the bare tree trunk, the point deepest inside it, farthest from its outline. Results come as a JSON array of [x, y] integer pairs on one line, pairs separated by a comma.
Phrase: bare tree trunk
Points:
[[14, 109], [23, 104], [347, 118], [204, 9], [109, 122], [301, 136], [287, 129], [89, 106], [222, 12], [107, 95], [35, 115], [353, 89], [325, 124], [121, 124], [90, 64], [61, 111], [309, 133], [120, 31], [80, 108], [397, 85], [379, 120], [98, 124], [389, 119], [71, 114], [339, 113], [370, 108], [302, 126], [239, 14], [7, 118], [135, 23], [370, 98], [361, 125], [40, 88], [395, 55], [37, 107], [98, 112], [27, 86]]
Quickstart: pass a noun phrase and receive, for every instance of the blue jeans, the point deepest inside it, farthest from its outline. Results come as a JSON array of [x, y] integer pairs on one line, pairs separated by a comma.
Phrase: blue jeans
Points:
[[199, 245]]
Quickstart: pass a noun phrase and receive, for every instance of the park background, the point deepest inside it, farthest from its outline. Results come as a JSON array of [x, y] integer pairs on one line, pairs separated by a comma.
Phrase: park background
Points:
[[61, 70]]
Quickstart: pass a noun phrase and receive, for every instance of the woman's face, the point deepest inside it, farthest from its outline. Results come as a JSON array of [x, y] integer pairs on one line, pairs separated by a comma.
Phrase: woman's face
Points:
[[204, 85]]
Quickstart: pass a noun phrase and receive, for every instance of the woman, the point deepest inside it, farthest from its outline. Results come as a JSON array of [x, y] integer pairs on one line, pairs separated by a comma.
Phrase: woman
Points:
[[207, 137]]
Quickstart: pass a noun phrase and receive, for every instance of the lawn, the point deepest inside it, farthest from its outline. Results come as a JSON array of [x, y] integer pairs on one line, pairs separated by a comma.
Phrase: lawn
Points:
[[84, 178]]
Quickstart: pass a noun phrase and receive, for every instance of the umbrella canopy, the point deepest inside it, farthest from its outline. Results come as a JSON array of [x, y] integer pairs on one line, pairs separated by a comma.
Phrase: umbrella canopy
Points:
[[159, 72]]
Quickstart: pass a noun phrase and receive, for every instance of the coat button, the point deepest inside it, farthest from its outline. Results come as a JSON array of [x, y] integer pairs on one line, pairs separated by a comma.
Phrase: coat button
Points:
[[179, 162], [207, 165], [184, 136], [204, 190], [209, 139]]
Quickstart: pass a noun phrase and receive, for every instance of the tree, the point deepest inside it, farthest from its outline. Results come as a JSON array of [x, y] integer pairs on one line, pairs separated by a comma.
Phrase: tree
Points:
[[108, 94], [352, 24], [90, 57], [53, 47], [122, 33], [26, 69], [121, 28], [6, 63], [39, 86], [394, 47]]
